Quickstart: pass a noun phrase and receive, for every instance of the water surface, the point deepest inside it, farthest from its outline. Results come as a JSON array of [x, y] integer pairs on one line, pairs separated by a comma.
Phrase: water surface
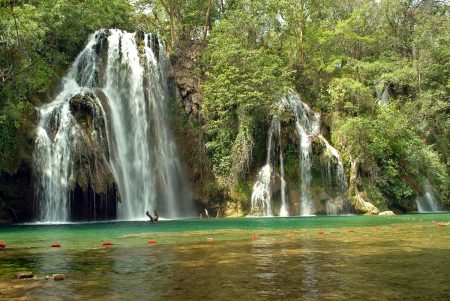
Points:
[[357, 258]]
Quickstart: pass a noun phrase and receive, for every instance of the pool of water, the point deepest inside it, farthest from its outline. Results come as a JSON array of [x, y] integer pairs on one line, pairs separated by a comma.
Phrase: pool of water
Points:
[[316, 258]]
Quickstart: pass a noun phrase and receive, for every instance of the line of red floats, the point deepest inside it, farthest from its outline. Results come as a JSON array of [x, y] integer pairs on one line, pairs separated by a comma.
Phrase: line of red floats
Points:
[[210, 239], [56, 245]]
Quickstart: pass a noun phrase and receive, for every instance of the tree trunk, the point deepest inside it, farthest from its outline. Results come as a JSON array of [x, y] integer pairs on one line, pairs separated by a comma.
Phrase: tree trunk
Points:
[[170, 12], [208, 13]]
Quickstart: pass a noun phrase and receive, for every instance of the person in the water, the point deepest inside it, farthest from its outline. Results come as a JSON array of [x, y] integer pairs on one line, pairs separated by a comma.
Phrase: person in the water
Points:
[[153, 219]]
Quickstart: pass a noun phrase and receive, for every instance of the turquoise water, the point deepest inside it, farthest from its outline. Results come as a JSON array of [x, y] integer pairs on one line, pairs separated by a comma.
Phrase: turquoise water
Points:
[[83, 234], [357, 257]]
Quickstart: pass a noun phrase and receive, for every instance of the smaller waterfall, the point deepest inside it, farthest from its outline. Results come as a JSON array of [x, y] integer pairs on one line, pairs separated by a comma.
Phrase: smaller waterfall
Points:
[[307, 124], [283, 209], [337, 205], [307, 127], [428, 202], [262, 193], [261, 199], [340, 176], [382, 94]]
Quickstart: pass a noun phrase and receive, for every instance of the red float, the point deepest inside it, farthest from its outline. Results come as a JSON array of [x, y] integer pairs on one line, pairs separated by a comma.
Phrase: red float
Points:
[[255, 237], [2, 245], [320, 232], [209, 239], [152, 241], [107, 243], [56, 245]]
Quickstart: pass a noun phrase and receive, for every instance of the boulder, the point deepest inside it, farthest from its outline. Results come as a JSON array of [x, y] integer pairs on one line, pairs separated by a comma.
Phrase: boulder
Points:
[[92, 178], [386, 213], [91, 146], [58, 277], [24, 275]]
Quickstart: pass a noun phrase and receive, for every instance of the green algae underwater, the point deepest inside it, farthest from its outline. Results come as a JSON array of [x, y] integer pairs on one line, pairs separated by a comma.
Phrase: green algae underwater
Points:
[[298, 258]]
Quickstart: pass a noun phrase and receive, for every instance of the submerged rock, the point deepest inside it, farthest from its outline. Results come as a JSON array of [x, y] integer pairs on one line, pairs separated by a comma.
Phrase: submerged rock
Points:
[[58, 277], [24, 275]]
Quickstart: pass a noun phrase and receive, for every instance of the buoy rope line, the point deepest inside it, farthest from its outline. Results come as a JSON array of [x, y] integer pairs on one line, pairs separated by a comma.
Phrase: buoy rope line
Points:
[[252, 237]]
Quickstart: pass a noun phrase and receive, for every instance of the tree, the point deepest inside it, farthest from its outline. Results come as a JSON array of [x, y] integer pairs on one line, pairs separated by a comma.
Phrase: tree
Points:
[[244, 81]]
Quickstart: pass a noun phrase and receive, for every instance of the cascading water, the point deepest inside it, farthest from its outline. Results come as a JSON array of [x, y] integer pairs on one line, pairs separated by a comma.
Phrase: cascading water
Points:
[[337, 205], [283, 208], [262, 193], [261, 199], [428, 202], [307, 126], [53, 157], [125, 76], [382, 94]]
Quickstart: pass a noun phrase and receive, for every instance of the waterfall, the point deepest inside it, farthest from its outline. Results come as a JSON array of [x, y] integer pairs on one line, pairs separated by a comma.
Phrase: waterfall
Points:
[[261, 199], [307, 126], [337, 205], [283, 208], [427, 202], [124, 77], [382, 94]]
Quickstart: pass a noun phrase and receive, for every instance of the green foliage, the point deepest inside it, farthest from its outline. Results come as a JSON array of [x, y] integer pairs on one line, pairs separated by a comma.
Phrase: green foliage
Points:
[[244, 81], [350, 96], [391, 153], [178, 21], [374, 194]]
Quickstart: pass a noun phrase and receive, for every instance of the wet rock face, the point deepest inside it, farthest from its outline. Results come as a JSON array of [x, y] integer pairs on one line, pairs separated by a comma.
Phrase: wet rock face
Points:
[[188, 79], [92, 184], [99, 62], [24, 275], [16, 195]]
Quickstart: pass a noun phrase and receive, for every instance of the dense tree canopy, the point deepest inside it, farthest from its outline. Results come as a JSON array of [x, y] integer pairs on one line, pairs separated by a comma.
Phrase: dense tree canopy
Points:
[[342, 57]]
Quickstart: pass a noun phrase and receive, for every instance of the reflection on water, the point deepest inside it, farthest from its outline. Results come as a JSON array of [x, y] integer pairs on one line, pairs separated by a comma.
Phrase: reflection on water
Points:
[[393, 261], [308, 266]]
